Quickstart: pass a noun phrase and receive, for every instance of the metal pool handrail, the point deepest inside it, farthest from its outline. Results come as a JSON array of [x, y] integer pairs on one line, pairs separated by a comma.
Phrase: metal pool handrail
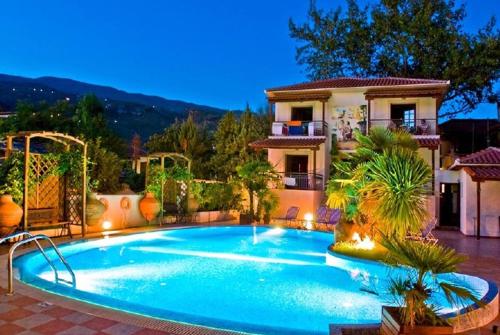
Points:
[[35, 238]]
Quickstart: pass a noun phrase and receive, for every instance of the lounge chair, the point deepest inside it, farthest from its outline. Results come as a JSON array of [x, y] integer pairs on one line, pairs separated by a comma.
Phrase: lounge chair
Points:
[[291, 216], [425, 234], [333, 218]]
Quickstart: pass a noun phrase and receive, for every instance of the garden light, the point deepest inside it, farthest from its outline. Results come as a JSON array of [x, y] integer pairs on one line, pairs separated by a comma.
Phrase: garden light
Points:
[[106, 224]]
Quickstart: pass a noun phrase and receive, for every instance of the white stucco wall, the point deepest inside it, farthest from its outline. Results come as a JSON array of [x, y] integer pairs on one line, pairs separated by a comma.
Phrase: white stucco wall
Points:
[[490, 206]]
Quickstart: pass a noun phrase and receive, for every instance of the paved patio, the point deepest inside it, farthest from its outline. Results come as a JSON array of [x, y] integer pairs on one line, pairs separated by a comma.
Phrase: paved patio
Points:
[[33, 312]]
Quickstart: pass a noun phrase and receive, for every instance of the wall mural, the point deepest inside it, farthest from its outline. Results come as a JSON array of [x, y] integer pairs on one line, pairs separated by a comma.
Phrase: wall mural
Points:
[[346, 119]]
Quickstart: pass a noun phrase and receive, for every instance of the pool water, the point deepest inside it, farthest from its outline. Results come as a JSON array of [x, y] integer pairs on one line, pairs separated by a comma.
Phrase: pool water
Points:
[[257, 280]]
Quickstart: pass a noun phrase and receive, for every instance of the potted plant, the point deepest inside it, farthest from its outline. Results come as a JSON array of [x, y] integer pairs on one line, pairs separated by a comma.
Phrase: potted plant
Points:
[[255, 176], [150, 206], [414, 314], [11, 193]]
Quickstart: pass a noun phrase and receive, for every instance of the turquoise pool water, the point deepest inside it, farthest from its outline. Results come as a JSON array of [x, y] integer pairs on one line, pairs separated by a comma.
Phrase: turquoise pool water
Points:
[[257, 280]]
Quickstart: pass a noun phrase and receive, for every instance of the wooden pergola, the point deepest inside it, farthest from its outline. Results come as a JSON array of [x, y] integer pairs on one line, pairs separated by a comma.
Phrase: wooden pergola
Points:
[[78, 212], [162, 156]]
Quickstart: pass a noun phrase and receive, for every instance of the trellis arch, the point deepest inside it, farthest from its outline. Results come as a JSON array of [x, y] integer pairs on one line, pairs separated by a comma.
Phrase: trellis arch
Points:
[[162, 156], [72, 204]]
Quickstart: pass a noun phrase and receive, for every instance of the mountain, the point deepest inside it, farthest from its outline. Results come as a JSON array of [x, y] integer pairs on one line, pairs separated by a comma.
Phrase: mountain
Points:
[[127, 113]]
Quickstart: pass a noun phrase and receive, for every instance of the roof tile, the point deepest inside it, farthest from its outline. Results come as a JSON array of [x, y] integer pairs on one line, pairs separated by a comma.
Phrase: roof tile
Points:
[[347, 82], [490, 155], [288, 142]]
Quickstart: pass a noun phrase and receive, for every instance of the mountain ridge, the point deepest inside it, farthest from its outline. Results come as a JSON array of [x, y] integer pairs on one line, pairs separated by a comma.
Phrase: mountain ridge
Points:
[[127, 113]]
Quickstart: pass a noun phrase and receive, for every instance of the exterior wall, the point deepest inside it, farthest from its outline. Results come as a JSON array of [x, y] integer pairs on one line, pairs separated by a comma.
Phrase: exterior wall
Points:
[[490, 206], [120, 217], [307, 201]]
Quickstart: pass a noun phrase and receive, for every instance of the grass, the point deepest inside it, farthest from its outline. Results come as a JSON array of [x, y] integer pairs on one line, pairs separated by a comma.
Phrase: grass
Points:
[[379, 253]]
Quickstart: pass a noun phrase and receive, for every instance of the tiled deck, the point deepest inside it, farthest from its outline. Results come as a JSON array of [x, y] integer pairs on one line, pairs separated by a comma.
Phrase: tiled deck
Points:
[[33, 312]]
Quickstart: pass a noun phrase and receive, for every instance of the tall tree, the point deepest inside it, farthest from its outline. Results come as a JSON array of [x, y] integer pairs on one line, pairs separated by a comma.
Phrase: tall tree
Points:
[[188, 138], [252, 127], [405, 38], [227, 148]]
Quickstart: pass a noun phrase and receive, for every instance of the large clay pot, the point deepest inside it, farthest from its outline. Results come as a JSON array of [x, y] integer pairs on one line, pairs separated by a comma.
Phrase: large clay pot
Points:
[[193, 204], [149, 206], [94, 211], [10, 215]]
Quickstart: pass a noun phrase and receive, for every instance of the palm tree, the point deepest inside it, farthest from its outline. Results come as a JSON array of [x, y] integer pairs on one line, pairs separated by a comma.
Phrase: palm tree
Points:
[[413, 292], [395, 190], [383, 182]]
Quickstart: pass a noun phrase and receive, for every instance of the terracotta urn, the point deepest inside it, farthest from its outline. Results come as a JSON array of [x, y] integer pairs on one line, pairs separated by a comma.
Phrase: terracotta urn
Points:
[[10, 215], [94, 211], [149, 206]]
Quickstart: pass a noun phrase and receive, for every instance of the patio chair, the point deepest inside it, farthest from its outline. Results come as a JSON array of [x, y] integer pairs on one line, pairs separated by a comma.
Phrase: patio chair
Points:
[[290, 216], [333, 218], [425, 234], [321, 215]]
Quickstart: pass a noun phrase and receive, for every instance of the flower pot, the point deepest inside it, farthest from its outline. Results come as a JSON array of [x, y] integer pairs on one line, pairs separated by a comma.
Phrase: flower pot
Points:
[[94, 210], [245, 219], [10, 215], [149, 206], [392, 326], [193, 204]]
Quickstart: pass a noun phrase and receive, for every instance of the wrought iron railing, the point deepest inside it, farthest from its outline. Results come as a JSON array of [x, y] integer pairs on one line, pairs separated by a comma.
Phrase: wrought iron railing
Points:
[[302, 181], [413, 126], [299, 128]]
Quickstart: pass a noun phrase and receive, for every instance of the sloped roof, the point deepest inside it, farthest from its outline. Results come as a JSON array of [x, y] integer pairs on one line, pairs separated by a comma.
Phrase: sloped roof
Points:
[[481, 165], [489, 155], [348, 82], [428, 141], [288, 142]]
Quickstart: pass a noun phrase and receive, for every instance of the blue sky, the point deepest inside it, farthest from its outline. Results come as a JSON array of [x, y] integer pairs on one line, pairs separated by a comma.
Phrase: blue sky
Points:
[[221, 53]]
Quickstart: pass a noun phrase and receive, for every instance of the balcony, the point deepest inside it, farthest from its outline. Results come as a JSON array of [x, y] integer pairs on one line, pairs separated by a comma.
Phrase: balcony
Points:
[[413, 126], [302, 181], [300, 128]]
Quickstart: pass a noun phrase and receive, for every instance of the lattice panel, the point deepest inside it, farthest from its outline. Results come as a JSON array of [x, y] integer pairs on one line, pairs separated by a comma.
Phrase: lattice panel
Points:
[[44, 189], [73, 200]]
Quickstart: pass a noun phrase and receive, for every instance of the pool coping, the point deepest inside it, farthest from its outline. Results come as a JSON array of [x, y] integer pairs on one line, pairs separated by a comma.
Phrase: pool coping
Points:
[[467, 318]]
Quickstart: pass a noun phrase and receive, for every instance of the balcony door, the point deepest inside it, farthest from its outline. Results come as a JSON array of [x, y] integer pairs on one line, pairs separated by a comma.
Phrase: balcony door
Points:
[[296, 171], [302, 114], [403, 115]]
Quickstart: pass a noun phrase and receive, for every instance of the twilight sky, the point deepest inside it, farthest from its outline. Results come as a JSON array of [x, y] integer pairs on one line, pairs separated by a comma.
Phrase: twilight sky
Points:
[[221, 52]]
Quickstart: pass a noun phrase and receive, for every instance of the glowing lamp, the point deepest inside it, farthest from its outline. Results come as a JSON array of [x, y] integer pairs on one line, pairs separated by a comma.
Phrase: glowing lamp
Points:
[[308, 221], [106, 224]]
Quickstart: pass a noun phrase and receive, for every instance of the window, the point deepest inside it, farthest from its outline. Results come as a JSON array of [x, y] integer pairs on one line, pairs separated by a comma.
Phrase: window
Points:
[[403, 115], [302, 114]]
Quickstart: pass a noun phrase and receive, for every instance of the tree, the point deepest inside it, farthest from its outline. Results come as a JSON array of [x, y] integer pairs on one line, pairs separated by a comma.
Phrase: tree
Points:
[[255, 176], [414, 291], [104, 168], [227, 147], [252, 127], [405, 38], [383, 183], [188, 138]]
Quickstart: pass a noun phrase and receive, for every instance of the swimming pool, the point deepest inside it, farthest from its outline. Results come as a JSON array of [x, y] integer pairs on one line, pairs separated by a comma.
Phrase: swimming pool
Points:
[[258, 280]]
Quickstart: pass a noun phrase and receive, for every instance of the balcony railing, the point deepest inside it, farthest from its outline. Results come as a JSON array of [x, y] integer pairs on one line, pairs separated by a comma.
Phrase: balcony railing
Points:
[[413, 126], [302, 181], [300, 128]]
